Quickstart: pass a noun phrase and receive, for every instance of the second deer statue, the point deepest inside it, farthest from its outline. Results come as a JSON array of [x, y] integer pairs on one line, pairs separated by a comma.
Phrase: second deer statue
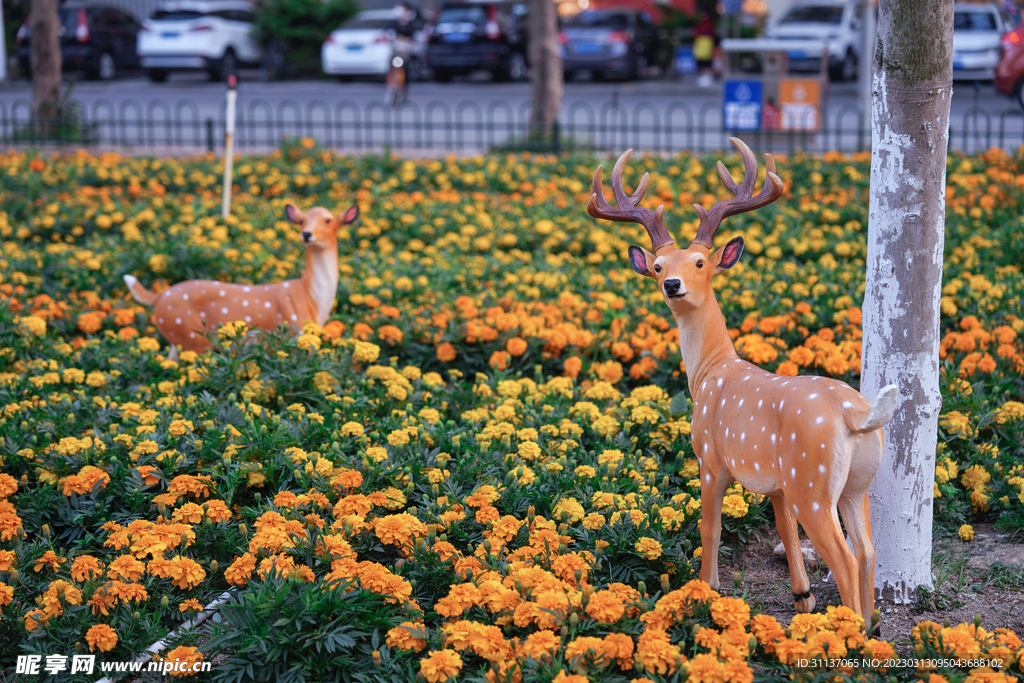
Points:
[[811, 444], [188, 310]]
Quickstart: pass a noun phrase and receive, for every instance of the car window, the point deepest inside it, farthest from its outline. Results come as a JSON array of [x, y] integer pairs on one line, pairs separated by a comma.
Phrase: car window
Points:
[[974, 21], [370, 23], [615, 21], [814, 14], [176, 15], [474, 14]]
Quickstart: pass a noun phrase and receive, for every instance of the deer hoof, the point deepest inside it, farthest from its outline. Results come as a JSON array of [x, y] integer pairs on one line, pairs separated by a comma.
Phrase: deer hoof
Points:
[[803, 602]]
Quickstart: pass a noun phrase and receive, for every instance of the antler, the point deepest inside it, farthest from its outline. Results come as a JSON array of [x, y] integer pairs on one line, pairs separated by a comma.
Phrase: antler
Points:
[[744, 201], [628, 211]]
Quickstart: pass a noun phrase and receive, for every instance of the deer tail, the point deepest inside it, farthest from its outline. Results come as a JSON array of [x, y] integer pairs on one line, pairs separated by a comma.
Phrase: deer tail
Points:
[[879, 415], [141, 294]]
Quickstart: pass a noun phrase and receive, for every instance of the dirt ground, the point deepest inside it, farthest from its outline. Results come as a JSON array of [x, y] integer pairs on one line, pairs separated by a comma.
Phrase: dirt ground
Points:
[[984, 576]]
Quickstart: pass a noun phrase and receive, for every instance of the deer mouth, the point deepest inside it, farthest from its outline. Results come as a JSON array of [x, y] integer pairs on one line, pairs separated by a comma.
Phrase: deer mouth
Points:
[[676, 296]]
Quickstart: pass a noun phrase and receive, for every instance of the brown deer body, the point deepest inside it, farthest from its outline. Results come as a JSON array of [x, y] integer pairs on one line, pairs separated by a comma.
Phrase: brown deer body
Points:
[[811, 444], [186, 310]]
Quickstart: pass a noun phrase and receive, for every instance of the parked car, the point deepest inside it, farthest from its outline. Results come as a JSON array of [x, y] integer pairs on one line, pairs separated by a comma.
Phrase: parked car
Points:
[[469, 36], [839, 22], [94, 38], [209, 35], [613, 41], [365, 44], [977, 32], [1009, 72]]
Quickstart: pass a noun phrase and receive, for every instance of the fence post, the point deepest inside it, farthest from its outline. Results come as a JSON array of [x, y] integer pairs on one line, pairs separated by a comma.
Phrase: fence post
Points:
[[556, 137], [209, 134]]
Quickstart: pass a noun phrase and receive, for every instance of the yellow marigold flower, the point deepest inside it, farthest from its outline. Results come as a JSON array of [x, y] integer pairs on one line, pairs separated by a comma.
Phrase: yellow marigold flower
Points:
[[966, 532], [648, 548], [440, 665], [734, 506], [147, 344], [308, 342], [1011, 410], [975, 478], [32, 324], [365, 352], [101, 637]]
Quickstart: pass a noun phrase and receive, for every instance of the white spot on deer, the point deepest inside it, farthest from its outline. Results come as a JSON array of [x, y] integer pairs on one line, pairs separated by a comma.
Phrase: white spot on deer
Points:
[[248, 319], [286, 285], [782, 403], [821, 468], [707, 477], [741, 403], [202, 314], [184, 297], [168, 307], [705, 448], [798, 411], [773, 439], [720, 380], [223, 293], [786, 383], [177, 321], [161, 321], [192, 335], [813, 396], [722, 404], [757, 466], [810, 484], [760, 403], [246, 289], [703, 384], [823, 445], [245, 302], [224, 311], [792, 436], [795, 511], [266, 305], [847, 404], [295, 317], [792, 473], [202, 291], [743, 437], [815, 506], [704, 411]]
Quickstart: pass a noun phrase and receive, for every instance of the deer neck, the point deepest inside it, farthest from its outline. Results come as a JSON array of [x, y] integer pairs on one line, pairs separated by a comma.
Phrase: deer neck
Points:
[[320, 280], [704, 341]]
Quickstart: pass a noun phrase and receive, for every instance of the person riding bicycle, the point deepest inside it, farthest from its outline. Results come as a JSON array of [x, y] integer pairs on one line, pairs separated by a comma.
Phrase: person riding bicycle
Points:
[[405, 29]]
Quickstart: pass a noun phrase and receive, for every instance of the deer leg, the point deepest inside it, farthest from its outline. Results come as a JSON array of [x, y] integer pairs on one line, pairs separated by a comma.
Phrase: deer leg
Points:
[[712, 491], [825, 533], [785, 522], [173, 355], [857, 517]]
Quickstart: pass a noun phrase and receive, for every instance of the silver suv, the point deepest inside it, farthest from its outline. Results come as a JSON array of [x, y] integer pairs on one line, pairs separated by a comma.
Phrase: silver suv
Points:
[[210, 35], [839, 22]]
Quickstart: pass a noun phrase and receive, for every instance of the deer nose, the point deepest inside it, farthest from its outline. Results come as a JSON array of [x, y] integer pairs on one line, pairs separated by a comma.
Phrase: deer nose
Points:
[[306, 236], [672, 286]]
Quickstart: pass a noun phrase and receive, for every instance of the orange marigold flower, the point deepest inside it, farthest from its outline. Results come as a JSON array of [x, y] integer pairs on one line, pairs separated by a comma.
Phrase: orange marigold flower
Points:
[[8, 485], [572, 366], [126, 567], [499, 360], [516, 346], [49, 559], [101, 637], [446, 352], [187, 658], [90, 322], [730, 612], [408, 635], [605, 607], [191, 603], [539, 645], [440, 665], [648, 548]]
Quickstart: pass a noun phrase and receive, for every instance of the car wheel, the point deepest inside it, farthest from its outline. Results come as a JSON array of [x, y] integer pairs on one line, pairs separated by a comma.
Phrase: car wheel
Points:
[[228, 65], [345, 78], [157, 75], [442, 76], [847, 69], [514, 70], [640, 68]]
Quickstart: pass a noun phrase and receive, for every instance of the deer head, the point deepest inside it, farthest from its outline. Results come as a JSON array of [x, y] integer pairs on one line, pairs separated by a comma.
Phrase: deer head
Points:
[[319, 225], [684, 275]]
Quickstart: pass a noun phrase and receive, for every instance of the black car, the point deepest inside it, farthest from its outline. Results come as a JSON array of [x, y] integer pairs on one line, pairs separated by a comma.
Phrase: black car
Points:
[[97, 39], [470, 36], [622, 42]]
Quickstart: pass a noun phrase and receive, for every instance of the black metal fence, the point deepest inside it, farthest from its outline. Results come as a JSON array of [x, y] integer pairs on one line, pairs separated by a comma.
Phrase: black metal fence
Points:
[[467, 126]]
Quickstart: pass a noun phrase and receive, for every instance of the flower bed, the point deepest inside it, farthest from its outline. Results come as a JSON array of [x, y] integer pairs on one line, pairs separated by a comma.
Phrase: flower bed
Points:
[[481, 466]]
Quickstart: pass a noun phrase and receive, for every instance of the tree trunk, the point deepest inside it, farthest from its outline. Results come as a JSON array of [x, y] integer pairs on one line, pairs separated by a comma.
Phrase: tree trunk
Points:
[[912, 86], [46, 62], [545, 64]]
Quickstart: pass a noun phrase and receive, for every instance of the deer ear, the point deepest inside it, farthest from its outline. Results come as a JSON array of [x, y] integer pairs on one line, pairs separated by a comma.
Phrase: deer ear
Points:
[[726, 257], [293, 214], [640, 259], [351, 213]]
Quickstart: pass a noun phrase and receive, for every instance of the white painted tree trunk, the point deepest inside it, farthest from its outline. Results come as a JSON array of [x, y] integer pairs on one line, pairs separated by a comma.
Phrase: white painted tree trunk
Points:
[[911, 93]]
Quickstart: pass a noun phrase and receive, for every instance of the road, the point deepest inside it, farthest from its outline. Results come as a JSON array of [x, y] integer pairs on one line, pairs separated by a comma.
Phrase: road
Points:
[[470, 114]]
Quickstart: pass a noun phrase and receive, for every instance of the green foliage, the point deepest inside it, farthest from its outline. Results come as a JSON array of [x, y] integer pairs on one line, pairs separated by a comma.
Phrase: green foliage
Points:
[[302, 25]]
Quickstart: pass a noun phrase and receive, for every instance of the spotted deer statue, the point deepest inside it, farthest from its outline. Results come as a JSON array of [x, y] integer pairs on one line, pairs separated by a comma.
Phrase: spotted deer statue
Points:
[[811, 444], [186, 310]]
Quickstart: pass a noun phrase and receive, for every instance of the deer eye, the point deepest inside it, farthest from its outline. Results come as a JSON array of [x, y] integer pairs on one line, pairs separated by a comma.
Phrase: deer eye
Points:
[[657, 269], [700, 263]]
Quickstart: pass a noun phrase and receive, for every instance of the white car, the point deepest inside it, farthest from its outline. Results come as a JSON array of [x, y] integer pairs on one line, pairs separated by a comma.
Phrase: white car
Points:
[[977, 31], [209, 35], [839, 22], [365, 44]]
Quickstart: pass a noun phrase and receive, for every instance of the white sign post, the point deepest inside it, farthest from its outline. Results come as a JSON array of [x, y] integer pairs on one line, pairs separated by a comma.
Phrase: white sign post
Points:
[[229, 145]]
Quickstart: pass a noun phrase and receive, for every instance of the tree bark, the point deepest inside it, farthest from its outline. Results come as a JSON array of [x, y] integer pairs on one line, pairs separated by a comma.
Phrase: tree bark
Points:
[[46, 61], [545, 64], [912, 87]]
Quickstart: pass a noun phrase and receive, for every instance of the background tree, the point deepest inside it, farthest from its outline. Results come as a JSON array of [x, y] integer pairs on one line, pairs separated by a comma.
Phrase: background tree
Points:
[[545, 64], [300, 27], [46, 61], [912, 86]]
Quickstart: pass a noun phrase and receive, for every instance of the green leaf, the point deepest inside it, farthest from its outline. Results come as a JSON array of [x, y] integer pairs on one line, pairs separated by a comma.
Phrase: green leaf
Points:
[[680, 404]]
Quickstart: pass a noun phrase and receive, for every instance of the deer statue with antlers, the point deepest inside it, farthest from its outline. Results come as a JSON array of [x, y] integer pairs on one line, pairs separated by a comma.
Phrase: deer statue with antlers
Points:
[[811, 444], [183, 312]]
